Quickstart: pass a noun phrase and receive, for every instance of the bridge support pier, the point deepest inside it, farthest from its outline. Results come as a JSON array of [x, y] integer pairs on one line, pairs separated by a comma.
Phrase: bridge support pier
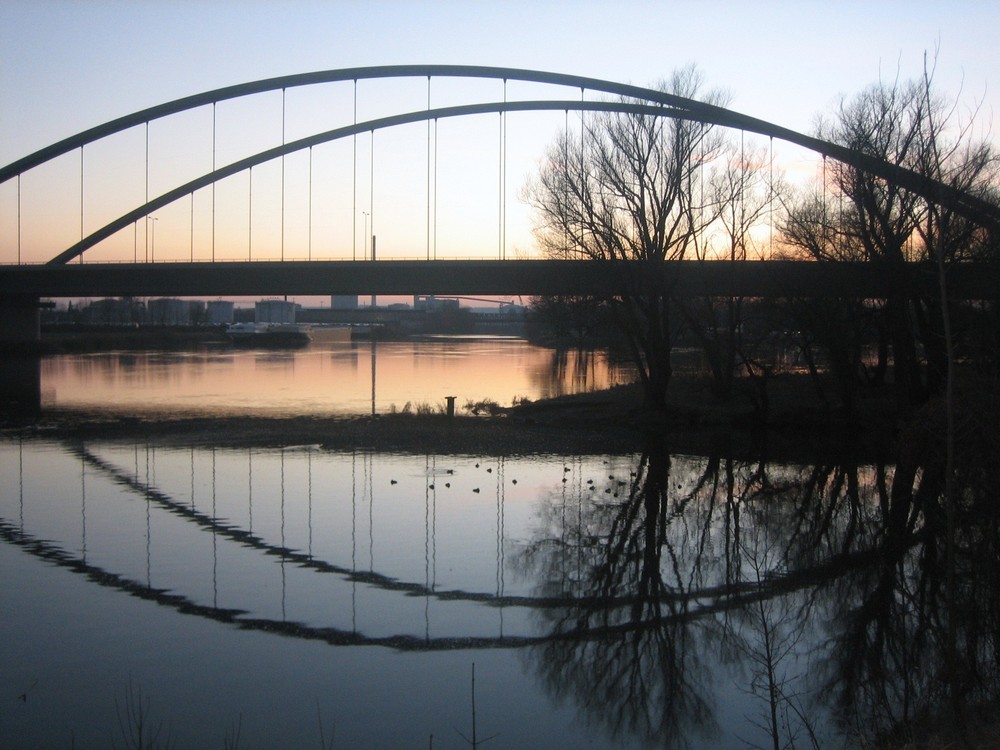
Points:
[[20, 357], [20, 322]]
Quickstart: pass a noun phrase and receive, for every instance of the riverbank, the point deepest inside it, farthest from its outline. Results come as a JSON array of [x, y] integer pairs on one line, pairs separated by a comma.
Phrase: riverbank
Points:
[[78, 339], [796, 426]]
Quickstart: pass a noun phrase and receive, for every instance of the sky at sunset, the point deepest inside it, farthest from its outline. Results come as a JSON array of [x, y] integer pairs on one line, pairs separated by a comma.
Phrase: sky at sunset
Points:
[[67, 66]]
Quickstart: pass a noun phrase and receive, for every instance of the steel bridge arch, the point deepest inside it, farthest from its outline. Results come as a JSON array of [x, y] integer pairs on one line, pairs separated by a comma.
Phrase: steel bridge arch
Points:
[[357, 74], [343, 132], [661, 104]]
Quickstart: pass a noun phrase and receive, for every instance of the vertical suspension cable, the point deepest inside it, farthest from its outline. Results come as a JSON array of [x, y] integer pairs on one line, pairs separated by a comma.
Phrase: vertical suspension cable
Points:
[[213, 182], [770, 200], [701, 180], [81, 198], [743, 199], [18, 218], [310, 220], [192, 226], [583, 172], [502, 179], [428, 248], [826, 223], [840, 203], [435, 188], [354, 209], [146, 222], [504, 223], [282, 175], [824, 187], [566, 184], [249, 217], [135, 241], [500, 189], [371, 195]]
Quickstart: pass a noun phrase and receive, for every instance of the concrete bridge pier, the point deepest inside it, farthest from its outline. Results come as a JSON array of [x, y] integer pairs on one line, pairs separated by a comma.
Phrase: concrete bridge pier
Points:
[[20, 322], [20, 357]]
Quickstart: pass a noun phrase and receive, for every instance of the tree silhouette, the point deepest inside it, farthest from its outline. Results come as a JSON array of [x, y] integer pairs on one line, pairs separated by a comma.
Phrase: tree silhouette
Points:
[[630, 188]]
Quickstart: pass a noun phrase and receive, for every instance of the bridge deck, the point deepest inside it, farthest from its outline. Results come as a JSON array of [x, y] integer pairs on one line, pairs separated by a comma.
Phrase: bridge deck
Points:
[[478, 277]]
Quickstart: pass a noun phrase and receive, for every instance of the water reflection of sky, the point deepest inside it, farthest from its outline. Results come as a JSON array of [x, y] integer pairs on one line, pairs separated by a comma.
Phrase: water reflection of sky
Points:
[[620, 600], [327, 378]]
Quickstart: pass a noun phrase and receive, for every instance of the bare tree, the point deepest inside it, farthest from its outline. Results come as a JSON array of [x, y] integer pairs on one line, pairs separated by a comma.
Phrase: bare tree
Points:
[[841, 329], [742, 197], [628, 188], [857, 216]]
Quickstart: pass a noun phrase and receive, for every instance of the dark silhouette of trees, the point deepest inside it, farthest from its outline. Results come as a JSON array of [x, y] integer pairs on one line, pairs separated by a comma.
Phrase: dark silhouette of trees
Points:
[[625, 646], [743, 195], [564, 319], [630, 188], [860, 217], [826, 587], [899, 561]]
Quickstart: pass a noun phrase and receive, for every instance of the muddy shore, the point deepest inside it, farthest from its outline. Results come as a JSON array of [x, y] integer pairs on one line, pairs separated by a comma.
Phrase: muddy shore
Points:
[[607, 422]]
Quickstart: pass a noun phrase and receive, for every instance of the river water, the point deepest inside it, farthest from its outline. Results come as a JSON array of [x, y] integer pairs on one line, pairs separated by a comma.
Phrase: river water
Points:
[[332, 377], [281, 597]]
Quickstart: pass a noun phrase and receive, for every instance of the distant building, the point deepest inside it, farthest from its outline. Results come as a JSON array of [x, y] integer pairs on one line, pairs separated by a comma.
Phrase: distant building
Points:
[[430, 303], [117, 312], [344, 302], [167, 311], [274, 311], [509, 310], [219, 312]]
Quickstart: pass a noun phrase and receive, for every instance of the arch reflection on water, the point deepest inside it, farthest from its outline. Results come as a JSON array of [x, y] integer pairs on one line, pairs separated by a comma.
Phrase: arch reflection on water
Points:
[[656, 592], [309, 544]]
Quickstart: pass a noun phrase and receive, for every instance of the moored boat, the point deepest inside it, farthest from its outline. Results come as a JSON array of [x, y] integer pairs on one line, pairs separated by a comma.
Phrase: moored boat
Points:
[[268, 335]]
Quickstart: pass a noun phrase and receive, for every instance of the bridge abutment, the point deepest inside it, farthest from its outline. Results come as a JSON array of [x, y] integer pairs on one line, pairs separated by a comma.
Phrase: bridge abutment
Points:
[[20, 360], [20, 322]]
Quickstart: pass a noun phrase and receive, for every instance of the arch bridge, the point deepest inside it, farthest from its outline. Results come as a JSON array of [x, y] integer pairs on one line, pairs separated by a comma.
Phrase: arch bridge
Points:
[[23, 283]]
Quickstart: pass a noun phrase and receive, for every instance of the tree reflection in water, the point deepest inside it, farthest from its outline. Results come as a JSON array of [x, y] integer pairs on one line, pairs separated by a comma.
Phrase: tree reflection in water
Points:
[[824, 588]]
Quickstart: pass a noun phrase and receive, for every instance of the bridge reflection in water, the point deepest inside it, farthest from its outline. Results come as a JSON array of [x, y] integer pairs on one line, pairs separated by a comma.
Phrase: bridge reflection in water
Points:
[[275, 521], [665, 597]]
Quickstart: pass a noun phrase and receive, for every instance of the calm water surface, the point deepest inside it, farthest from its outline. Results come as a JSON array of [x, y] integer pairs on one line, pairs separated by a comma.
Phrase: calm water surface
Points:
[[325, 378], [269, 584], [648, 600], [605, 601]]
